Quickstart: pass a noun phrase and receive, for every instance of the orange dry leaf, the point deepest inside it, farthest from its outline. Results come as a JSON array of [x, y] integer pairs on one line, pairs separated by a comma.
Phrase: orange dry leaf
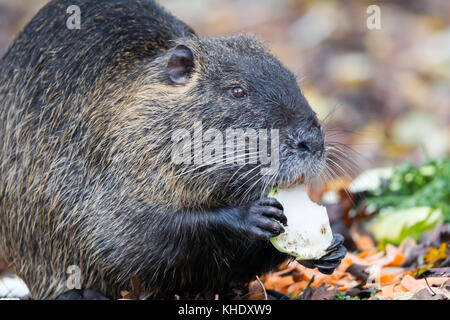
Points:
[[363, 254], [278, 283], [367, 253], [398, 260], [363, 242], [399, 289], [348, 260], [392, 257], [386, 278], [308, 274], [383, 267], [345, 284], [297, 287], [414, 285], [372, 258]]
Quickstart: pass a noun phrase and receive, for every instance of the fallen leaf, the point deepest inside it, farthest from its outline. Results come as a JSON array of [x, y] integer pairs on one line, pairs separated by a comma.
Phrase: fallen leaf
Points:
[[296, 288], [436, 254], [278, 283], [322, 292], [426, 294], [358, 271], [437, 272], [415, 285], [364, 243], [387, 291], [256, 291]]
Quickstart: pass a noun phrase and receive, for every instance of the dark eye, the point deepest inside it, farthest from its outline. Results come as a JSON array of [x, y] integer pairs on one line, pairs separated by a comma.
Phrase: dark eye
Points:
[[237, 92]]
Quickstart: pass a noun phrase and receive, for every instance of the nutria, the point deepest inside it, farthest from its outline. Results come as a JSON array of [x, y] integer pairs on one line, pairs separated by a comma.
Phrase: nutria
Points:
[[87, 177]]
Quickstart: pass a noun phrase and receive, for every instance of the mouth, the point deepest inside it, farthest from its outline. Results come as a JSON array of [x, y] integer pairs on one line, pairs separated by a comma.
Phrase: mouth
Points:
[[297, 181]]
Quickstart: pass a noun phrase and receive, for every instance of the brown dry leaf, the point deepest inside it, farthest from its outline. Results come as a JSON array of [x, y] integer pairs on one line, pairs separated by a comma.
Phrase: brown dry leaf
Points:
[[322, 292], [358, 271], [256, 291], [437, 272], [394, 281]]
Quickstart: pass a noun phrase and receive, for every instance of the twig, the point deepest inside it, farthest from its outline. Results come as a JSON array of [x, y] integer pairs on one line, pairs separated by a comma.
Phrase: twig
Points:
[[432, 292], [264, 288]]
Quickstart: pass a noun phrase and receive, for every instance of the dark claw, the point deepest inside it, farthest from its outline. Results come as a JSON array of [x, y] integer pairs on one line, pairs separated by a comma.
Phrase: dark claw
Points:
[[336, 255], [338, 239], [308, 263], [265, 219], [327, 269], [272, 209], [271, 202], [328, 263]]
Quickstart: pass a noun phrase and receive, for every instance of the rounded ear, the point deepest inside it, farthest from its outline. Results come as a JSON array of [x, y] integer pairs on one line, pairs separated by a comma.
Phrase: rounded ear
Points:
[[180, 65]]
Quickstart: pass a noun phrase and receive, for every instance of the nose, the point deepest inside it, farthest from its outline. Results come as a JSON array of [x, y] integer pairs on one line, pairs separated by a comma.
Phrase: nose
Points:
[[305, 147]]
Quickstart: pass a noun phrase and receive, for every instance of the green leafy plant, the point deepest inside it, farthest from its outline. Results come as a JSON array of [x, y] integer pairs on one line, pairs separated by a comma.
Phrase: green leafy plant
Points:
[[344, 296], [410, 187]]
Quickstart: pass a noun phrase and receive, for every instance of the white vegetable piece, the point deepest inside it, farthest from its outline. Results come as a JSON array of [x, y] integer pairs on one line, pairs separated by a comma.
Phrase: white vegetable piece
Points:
[[308, 233], [370, 179]]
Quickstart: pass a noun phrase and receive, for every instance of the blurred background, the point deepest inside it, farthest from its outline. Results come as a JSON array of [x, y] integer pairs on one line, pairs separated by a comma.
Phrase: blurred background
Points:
[[386, 91]]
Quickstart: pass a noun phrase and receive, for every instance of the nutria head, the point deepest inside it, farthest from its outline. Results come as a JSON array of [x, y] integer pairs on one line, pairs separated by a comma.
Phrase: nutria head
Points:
[[190, 98]]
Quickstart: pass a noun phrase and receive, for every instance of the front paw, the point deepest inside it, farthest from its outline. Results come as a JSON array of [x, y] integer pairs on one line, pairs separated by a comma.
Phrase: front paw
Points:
[[328, 263], [265, 219], [81, 295]]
